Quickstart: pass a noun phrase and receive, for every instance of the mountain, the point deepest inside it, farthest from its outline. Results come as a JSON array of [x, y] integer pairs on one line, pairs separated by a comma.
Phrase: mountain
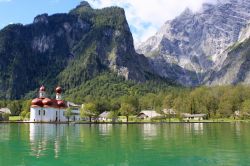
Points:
[[235, 64], [193, 45], [68, 49]]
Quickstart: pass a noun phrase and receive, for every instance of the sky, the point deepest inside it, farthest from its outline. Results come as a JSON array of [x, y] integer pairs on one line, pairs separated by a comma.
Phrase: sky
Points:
[[145, 17]]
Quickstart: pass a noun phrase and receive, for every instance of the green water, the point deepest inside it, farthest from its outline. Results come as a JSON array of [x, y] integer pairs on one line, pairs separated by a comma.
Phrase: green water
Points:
[[125, 145]]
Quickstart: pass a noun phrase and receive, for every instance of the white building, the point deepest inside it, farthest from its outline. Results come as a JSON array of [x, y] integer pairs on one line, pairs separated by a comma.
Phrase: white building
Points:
[[148, 114], [44, 109], [106, 116], [187, 116], [4, 114]]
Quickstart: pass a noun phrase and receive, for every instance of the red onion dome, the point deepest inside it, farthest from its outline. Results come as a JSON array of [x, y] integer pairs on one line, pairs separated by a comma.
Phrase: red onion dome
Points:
[[58, 89], [37, 102], [47, 101], [42, 89], [60, 103]]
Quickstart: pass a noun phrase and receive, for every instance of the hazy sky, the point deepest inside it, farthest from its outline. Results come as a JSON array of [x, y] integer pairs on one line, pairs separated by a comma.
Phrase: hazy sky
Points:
[[145, 17]]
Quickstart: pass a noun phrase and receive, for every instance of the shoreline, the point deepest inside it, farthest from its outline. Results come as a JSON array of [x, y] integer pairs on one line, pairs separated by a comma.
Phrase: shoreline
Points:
[[58, 123]]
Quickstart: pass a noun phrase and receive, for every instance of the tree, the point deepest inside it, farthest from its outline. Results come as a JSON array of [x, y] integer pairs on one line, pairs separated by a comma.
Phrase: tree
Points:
[[182, 104], [113, 115], [25, 107], [168, 101], [127, 110], [68, 113], [245, 108], [225, 108], [89, 110], [129, 106], [24, 115]]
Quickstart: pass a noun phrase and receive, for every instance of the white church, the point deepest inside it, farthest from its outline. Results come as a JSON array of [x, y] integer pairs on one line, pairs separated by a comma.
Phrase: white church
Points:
[[44, 109]]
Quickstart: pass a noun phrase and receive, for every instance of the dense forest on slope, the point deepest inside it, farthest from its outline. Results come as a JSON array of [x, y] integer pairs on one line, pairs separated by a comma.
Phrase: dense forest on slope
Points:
[[113, 94], [67, 50], [216, 102]]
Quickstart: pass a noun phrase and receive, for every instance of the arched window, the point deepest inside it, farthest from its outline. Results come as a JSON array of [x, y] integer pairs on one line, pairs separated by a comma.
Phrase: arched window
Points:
[[43, 112], [39, 112]]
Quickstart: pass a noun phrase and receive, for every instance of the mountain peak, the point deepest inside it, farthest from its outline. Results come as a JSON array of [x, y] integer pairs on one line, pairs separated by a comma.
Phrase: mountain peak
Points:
[[83, 6], [187, 11], [42, 18], [195, 42]]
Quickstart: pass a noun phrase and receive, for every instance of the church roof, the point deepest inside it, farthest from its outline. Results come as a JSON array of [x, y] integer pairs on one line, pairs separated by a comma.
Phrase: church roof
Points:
[[46, 102], [42, 101]]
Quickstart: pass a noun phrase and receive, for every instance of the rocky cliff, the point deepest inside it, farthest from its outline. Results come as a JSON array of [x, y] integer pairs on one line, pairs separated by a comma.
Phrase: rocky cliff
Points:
[[193, 44], [234, 66], [68, 49]]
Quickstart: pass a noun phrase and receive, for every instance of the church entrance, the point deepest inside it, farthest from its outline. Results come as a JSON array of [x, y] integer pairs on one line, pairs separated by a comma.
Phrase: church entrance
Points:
[[56, 117]]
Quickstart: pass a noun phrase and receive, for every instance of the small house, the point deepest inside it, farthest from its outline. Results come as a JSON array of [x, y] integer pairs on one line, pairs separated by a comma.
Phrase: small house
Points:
[[148, 114], [170, 112], [187, 116], [4, 114], [105, 116]]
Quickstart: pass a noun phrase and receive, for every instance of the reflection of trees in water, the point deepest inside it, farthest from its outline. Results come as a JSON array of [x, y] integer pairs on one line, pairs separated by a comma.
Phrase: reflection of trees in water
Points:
[[4, 132], [124, 144]]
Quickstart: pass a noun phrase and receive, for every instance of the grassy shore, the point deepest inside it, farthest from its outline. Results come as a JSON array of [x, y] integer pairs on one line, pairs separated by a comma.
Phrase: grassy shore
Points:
[[132, 119], [14, 118]]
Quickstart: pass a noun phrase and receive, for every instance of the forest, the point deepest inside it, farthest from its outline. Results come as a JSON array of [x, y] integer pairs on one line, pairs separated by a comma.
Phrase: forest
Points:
[[111, 93]]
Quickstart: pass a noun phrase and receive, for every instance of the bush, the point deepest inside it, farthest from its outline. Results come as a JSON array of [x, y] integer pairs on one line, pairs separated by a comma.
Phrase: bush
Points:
[[4, 116]]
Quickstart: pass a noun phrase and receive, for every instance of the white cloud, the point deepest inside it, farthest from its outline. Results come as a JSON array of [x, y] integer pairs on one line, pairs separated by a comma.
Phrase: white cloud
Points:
[[145, 17]]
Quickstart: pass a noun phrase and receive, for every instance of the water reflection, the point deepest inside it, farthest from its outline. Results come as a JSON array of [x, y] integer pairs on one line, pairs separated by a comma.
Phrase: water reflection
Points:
[[149, 131], [143, 144], [105, 129], [4, 132], [39, 138], [196, 128]]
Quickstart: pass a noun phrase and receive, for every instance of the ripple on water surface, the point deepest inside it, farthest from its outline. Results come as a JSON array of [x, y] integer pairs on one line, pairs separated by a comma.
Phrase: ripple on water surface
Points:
[[135, 144]]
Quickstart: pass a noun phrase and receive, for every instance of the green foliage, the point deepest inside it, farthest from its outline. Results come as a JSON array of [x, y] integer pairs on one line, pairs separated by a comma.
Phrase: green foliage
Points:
[[89, 110], [245, 108], [69, 50], [16, 106], [4, 116], [127, 109], [109, 86], [113, 115], [25, 115], [68, 113]]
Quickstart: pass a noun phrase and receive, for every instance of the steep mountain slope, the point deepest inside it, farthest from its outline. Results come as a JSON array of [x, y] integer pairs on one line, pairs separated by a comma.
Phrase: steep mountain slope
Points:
[[68, 49], [193, 42], [236, 66]]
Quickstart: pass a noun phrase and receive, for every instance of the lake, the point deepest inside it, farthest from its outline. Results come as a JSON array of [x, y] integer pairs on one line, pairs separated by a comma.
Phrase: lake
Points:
[[125, 145]]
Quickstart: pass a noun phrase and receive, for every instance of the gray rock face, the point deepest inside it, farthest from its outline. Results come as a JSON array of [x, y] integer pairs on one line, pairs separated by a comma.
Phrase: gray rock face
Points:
[[192, 45], [43, 18], [68, 50], [234, 67]]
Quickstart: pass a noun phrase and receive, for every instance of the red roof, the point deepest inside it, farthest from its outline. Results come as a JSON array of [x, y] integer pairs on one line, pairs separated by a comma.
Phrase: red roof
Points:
[[39, 102], [58, 89]]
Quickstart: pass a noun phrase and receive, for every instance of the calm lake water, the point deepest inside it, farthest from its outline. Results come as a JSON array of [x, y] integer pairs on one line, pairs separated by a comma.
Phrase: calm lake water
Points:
[[125, 145]]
